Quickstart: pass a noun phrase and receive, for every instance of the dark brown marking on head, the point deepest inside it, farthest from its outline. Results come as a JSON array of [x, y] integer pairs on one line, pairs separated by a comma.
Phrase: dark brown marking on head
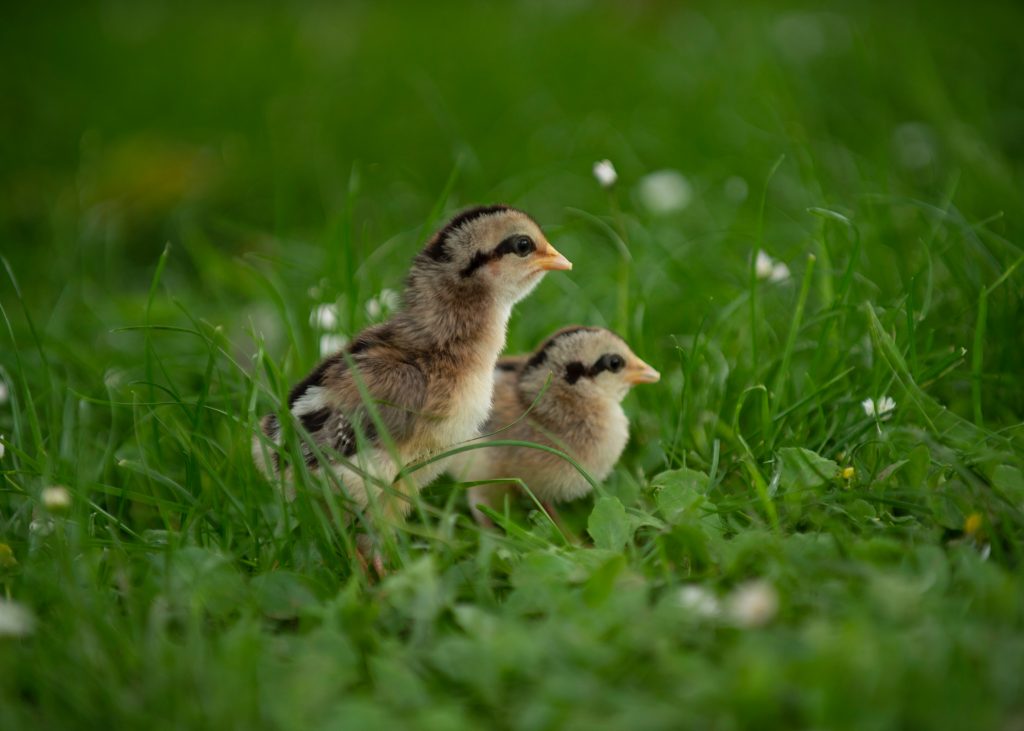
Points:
[[541, 354], [518, 244], [479, 259], [507, 366], [608, 362], [437, 250], [537, 358], [574, 371]]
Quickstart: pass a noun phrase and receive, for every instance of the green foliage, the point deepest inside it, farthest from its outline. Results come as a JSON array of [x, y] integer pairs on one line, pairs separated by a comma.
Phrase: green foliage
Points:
[[608, 524], [182, 186]]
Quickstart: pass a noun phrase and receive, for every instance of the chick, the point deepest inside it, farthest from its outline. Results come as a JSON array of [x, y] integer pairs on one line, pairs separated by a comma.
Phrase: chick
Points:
[[591, 371], [428, 370]]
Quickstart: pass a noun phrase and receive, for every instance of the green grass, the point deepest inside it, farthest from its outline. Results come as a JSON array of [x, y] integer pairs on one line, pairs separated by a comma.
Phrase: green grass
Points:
[[180, 185]]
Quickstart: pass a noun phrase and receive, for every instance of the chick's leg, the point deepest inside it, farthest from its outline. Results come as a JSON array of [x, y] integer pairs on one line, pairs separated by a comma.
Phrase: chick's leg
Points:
[[382, 508], [367, 554]]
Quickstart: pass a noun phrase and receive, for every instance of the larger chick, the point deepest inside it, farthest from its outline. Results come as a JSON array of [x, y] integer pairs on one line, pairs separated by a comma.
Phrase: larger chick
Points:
[[580, 413], [428, 369]]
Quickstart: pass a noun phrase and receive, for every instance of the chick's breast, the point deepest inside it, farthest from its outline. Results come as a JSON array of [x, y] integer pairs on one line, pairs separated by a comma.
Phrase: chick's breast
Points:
[[549, 476]]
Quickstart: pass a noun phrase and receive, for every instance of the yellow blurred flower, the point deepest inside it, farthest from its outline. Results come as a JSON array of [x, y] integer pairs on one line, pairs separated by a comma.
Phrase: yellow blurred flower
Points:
[[973, 524], [848, 473], [7, 559]]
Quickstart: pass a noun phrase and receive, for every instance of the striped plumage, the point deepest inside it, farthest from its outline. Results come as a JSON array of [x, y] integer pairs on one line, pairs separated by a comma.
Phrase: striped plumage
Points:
[[427, 369]]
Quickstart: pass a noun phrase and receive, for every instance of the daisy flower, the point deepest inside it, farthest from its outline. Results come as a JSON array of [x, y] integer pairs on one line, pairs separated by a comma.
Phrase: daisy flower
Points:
[[768, 268], [324, 316], [881, 408], [605, 173], [753, 604]]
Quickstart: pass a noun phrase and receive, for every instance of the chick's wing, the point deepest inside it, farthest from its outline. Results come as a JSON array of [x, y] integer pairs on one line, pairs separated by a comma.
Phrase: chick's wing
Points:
[[334, 404]]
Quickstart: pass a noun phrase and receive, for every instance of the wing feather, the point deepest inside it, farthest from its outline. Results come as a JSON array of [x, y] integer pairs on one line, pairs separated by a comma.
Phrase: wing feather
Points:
[[329, 406]]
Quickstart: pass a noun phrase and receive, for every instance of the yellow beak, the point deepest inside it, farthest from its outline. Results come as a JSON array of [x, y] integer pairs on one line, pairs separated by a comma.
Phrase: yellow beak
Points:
[[640, 372], [552, 260]]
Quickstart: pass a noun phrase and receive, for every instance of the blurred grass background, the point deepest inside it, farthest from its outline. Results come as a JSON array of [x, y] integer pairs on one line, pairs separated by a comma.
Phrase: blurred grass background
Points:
[[296, 154]]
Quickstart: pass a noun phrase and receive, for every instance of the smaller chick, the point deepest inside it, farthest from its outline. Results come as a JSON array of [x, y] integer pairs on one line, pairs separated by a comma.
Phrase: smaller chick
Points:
[[580, 413]]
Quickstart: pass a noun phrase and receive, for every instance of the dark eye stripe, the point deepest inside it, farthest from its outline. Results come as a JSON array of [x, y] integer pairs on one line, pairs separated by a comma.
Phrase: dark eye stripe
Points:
[[479, 259], [608, 362], [508, 246], [574, 371]]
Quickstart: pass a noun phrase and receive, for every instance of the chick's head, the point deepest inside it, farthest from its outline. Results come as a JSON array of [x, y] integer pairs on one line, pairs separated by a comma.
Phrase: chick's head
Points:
[[589, 362], [494, 249]]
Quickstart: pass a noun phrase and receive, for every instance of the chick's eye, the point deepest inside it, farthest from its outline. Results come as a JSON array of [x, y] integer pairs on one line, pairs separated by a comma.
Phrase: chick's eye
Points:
[[522, 245], [616, 363]]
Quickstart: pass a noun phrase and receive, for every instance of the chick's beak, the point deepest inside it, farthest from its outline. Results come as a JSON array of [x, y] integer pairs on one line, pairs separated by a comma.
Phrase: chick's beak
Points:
[[640, 372], [550, 259]]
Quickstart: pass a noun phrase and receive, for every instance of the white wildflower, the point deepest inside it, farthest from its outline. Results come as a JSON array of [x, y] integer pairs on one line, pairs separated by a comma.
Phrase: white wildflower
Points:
[[780, 272], [16, 620], [605, 173], [384, 303], [56, 499], [389, 299], [114, 378], [699, 601], [2, 448], [753, 604], [5, 393], [767, 268], [331, 343], [324, 316], [736, 189], [881, 408], [41, 527], [665, 191]]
